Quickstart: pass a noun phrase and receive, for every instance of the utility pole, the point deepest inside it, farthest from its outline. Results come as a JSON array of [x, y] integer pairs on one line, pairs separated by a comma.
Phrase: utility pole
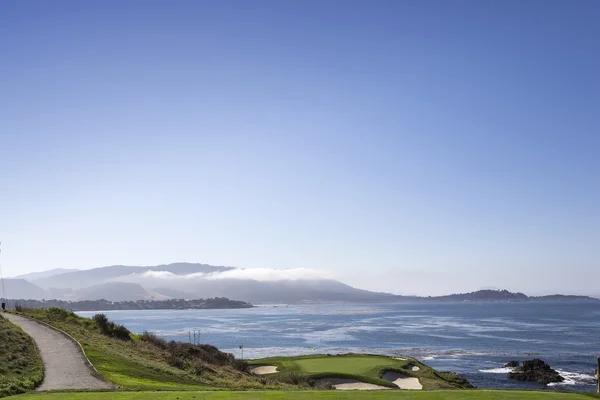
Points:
[[598, 375], [2, 284], [195, 334]]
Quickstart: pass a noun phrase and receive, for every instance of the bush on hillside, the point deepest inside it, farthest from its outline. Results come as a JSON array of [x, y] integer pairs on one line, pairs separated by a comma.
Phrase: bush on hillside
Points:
[[154, 340], [111, 329], [182, 355], [102, 321], [294, 378], [59, 314], [199, 367]]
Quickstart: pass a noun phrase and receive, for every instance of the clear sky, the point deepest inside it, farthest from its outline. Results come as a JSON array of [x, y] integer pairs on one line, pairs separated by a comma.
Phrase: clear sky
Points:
[[405, 146]]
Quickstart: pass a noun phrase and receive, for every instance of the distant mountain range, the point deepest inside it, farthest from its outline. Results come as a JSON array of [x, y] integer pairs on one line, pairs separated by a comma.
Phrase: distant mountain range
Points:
[[193, 281], [45, 274], [79, 279]]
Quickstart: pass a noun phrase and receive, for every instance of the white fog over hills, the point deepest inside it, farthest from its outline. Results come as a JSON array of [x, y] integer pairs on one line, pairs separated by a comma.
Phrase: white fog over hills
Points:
[[190, 281], [194, 281]]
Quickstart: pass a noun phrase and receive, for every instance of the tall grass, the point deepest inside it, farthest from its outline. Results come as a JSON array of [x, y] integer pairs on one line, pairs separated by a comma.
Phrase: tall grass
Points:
[[21, 367]]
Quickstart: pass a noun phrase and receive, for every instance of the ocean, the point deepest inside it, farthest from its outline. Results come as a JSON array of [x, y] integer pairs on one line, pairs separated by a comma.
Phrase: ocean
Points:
[[473, 339]]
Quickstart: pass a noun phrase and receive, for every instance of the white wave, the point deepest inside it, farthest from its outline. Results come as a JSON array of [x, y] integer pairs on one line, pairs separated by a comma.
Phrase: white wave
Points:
[[504, 370], [574, 378]]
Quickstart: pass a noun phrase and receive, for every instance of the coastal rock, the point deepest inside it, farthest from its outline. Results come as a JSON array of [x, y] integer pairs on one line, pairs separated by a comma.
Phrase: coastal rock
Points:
[[512, 364], [460, 381], [535, 370]]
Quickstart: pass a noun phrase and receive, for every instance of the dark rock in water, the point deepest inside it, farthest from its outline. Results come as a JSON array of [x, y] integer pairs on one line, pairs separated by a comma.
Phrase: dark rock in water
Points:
[[535, 370], [512, 364], [462, 382], [454, 379]]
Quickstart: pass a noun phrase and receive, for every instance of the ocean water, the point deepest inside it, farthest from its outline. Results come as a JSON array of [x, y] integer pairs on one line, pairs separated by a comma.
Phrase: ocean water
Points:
[[473, 339]]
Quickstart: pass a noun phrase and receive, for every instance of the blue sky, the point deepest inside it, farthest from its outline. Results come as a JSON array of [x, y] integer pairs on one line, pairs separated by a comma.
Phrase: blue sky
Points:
[[406, 146]]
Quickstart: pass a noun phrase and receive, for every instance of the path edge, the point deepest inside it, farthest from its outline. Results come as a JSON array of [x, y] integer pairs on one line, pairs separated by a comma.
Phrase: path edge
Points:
[[89, 364]]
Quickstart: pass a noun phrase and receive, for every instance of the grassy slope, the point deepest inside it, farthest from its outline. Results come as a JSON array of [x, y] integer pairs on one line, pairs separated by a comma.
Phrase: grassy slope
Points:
[[366, 368], [141, 366], [138, 366], [318, 395], [21, 367]]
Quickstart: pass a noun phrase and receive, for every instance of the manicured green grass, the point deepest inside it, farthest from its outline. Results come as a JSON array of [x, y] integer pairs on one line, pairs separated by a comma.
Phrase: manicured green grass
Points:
[[21, 367], [358, 365], [362, 367], [316, 395]]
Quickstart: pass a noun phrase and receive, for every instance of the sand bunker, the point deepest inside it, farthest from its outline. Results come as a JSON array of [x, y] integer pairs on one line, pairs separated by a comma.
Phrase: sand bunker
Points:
[[351, 384], [413, 367], [403, 381], [401, 358], [264, 369]]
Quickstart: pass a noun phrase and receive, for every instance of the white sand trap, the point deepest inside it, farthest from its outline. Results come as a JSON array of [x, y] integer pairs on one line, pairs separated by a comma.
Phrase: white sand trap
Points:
[[403, 381], [351, 384], [264, 370], [413, 367]]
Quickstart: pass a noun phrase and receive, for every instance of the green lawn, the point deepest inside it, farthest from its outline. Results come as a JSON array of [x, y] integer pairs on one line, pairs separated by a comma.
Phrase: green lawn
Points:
[[317, 395], [347, 365], [362, 367], [21, 367]]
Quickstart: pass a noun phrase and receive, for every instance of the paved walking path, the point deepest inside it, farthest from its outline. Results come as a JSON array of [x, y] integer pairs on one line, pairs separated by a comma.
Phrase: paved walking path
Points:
[[65, 367]]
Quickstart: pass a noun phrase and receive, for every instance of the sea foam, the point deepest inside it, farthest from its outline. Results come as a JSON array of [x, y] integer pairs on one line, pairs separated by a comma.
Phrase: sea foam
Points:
[[504, 370], [574, 378]]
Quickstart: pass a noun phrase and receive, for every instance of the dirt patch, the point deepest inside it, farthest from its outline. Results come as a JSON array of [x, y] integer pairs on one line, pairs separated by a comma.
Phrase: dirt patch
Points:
[[403, 381], [264, 370], [351, 384]]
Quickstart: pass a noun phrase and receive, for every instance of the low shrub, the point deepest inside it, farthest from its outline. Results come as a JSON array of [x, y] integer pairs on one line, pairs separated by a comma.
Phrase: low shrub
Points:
[[102, 322], [199, 367], [59, 314], [183, 355], [293, 378], [111, 329], [121, 332], [154, 340], [176, 361]]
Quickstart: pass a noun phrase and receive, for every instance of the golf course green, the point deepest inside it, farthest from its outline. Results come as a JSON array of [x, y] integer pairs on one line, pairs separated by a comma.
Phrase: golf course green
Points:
[[372, 369]]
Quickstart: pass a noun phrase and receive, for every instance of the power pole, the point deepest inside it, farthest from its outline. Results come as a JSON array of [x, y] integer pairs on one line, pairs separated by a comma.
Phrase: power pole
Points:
[[2, 284], [598, 375]]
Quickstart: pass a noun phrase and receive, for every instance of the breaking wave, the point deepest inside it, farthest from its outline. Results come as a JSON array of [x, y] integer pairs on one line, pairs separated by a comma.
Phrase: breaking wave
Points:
[[573, 378], [504, 370]]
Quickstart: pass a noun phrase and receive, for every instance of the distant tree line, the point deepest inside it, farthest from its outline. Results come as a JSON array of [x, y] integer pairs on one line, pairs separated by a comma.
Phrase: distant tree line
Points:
[[105, 305]]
